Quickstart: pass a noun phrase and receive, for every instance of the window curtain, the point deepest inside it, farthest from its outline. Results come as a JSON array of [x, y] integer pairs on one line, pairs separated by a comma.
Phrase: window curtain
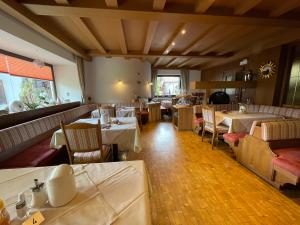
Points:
[[184, 81], [153, 80], [81, 76]]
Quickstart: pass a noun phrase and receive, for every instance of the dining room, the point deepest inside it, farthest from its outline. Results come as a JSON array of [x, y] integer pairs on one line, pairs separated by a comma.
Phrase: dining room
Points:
[[149, 112]]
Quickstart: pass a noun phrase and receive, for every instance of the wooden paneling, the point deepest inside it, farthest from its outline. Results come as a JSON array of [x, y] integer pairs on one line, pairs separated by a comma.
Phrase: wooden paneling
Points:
[[22, 117]]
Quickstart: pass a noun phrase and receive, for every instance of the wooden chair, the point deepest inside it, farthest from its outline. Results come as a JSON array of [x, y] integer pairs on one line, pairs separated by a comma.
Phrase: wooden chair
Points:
[[209, 124], [154, 112], [84, 143], [108, 109]]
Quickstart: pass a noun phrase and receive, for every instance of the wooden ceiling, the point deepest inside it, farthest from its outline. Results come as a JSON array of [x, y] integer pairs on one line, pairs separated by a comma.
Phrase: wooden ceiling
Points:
[[194, 34]]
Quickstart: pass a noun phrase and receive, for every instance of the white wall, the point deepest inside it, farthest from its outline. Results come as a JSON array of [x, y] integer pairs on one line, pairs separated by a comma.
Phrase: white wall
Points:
[[103, 74], [67, 82]]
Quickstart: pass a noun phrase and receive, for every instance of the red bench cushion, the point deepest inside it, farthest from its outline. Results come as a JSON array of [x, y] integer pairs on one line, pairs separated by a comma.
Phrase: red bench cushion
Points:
[[38, 155], [288, 159], [234, 137], [198, 121]]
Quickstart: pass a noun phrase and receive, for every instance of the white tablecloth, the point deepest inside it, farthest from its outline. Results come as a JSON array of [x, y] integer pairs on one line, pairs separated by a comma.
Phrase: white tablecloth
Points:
[[126, 135], [107, 193], [239, 122], [121, 112]]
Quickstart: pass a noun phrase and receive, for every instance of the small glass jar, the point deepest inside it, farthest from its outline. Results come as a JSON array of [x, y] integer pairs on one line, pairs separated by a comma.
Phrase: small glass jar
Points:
[[4, 216]]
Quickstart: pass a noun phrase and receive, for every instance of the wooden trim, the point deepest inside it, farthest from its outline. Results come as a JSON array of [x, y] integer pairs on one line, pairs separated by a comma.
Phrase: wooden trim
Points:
[[133, 54], [42, 25], [222, 84], [184, 62], [245, 6], [203, 5], [165, 16], [13, 119]]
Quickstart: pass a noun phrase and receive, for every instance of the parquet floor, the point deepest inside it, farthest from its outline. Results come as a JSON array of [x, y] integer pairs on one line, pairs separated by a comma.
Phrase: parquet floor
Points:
[[193, 184]]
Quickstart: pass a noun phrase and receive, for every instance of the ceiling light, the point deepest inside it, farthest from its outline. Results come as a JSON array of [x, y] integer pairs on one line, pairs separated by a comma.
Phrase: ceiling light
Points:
[[167, 51], [173, 43], [183, 31]]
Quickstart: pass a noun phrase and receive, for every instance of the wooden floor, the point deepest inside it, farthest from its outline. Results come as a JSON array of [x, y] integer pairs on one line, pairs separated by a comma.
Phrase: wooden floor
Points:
[[193, 184]]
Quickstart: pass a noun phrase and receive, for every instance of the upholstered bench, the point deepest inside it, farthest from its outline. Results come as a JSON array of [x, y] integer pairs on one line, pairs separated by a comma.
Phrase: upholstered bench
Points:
[[28, 144], [233, 138], [272, 150], [38, 155], [288, 159]]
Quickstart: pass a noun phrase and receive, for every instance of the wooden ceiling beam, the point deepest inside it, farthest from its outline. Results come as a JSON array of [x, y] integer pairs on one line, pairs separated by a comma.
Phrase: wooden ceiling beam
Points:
[[42, 25], [159, 4], [112, 3], [245, 6], [88, 33], [171, 62], [203, 5], [285, 7], [119, 31], [184, 62], [194, 44], [150, 35], [165, 16], [273, 41], [135, 54], [63, 2], [157, 62]]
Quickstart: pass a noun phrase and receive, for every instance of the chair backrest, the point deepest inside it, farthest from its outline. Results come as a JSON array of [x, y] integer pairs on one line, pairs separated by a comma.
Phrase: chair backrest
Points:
[[154, 111], [109, 110], [82, 137], [208, 114]]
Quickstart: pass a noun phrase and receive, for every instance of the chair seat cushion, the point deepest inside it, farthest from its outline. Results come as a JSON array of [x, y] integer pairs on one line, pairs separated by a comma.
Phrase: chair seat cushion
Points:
[[38, 155], [288, 159], [93, 156], [234, 137], [198, 121], [220, 128]]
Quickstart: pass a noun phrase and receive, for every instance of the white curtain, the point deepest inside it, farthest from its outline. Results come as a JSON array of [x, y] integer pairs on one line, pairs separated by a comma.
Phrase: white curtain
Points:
[[184, 80], [153, 80], [81, 76]]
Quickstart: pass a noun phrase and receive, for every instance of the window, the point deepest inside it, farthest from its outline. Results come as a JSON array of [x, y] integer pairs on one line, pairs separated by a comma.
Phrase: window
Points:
[[167, 85], [22, 80], [293, 94]]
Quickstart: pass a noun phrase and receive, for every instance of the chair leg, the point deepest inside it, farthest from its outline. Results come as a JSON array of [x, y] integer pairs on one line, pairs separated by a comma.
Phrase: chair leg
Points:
[[212, 140], [203, 132]]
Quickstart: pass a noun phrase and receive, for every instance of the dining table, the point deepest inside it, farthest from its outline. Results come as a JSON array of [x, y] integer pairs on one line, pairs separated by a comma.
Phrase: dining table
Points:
[[123, 131], [241, 122], [107, 193]]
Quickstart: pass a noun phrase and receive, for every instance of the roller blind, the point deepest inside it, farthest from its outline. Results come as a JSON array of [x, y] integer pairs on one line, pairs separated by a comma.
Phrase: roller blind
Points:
[[23, 68]]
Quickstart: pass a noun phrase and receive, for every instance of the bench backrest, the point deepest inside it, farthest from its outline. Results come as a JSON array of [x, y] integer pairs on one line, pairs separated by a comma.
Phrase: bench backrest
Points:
[[17, 138]]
